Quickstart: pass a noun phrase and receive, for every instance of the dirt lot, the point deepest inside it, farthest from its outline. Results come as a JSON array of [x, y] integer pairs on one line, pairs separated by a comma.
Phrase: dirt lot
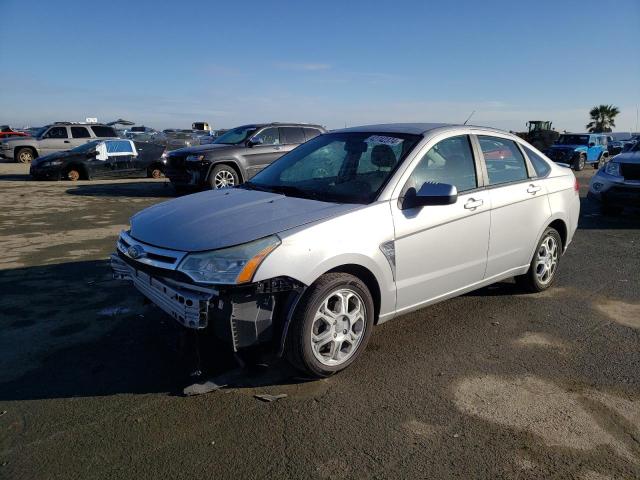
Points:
[[493, 384]]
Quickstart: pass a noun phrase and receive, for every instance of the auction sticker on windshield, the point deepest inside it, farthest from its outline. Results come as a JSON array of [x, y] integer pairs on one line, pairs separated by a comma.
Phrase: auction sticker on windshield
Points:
[[384, 140]]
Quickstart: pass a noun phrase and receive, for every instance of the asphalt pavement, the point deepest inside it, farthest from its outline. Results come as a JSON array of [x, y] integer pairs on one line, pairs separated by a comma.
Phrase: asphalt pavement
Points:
[[493, 384]]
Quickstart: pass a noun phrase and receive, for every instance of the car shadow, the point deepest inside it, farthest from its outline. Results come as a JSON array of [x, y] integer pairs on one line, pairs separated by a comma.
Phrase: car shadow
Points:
[[15, 177], [71, 331], [129, 189]]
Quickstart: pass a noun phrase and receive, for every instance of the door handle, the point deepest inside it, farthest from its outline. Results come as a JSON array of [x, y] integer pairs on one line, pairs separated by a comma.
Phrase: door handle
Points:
[[533, 189], [472, 204], [277, 148], [67, 141]]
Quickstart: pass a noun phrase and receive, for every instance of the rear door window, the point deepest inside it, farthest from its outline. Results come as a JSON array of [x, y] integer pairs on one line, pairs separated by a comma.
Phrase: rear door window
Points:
[[505, 163], [101, 131], [291, 135], [119, 147], [80, 132]]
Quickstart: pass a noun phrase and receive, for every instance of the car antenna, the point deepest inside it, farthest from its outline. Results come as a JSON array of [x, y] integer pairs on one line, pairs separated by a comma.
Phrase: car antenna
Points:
[[469, 117]]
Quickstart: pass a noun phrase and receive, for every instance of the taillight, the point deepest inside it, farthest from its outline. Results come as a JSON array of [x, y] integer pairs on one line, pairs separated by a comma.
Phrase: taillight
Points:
[[576, 186]]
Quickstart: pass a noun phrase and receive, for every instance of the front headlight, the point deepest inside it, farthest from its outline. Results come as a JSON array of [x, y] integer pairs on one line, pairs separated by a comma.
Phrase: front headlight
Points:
[[195, 158], [50, 163], [612, 168], [229, 266]]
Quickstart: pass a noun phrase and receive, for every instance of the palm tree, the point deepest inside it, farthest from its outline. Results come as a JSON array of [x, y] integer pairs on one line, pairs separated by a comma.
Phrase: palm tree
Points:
[[602, 118]]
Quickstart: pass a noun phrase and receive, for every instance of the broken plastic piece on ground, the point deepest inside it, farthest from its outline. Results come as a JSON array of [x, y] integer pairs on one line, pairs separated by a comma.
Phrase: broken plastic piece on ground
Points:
[[265, 397], [200, 388]]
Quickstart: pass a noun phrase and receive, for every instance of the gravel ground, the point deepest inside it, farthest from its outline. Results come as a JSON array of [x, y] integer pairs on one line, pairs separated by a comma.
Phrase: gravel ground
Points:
[[493, 384]]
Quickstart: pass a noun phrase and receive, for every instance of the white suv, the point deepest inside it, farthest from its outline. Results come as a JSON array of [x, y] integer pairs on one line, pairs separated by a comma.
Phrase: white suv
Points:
[[351, 229]]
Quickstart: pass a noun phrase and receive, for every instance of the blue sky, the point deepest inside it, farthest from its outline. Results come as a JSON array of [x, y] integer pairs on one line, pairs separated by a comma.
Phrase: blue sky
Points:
[[331, 62]]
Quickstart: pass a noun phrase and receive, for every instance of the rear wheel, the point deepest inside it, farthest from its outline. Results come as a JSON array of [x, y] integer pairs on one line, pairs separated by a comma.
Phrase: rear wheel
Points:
[[544, 265], [580, 162], [25, 155], [223, 176], [331, 325], [73, 174], [154, 172]]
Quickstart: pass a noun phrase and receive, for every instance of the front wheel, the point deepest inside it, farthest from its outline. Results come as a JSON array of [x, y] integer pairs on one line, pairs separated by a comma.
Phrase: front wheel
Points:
[[154, 172], [223, 176], [580, 162], [544, 265], [331, 325], [601, 161], [25, 155]]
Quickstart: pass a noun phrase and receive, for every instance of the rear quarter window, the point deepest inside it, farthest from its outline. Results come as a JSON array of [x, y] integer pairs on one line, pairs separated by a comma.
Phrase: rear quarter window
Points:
[[540, 165], [102, 131], [310, 133]]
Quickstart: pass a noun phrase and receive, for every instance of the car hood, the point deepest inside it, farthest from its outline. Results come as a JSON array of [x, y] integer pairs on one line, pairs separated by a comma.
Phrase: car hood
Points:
[[51, 156], [627, 157], [223, 218]]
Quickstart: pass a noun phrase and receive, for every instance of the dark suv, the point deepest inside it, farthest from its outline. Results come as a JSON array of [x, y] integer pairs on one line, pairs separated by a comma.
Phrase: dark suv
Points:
[[236, 156]]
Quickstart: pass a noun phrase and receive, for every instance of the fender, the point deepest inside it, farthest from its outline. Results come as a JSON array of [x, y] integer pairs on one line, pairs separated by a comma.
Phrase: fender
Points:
[[229, 160], [550, 220]]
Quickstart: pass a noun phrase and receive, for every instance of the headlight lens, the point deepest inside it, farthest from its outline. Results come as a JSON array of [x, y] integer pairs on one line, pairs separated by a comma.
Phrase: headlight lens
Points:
[[195, 158], [229, 266], [612, 168]]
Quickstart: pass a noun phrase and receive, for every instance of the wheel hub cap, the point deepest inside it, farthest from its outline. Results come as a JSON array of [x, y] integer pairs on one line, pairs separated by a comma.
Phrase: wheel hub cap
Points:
[[547, 260]]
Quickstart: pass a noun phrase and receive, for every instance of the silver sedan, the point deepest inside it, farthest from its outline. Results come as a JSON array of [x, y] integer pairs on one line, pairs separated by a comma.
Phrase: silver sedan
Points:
[[352, 229]]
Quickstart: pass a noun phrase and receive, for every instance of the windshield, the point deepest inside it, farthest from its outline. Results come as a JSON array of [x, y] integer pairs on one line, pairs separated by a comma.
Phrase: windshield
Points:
[[337, 167], [86, 147], [237, 135], [39, 132], [573, 140]]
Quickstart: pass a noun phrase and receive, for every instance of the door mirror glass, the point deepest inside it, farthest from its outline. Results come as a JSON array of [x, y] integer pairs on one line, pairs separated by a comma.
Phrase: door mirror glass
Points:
[[430, 194], [92, 153]]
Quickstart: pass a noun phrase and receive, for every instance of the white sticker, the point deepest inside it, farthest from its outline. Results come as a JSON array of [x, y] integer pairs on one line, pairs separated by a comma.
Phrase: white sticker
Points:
[[384, 140]]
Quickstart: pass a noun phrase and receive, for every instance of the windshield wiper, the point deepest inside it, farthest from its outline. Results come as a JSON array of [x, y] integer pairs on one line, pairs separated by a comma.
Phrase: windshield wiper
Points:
[[255, 186], [289, 190]]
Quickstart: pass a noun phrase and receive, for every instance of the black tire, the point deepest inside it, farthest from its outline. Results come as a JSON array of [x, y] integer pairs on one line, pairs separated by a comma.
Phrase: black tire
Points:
[[608, 209], [580, 162], [298, 347], [529, 282], [25, 155], [223, 176], [601, 161]]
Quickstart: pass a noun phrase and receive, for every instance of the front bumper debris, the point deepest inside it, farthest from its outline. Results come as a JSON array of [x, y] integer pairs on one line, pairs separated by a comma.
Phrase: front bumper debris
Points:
[[240, 315]]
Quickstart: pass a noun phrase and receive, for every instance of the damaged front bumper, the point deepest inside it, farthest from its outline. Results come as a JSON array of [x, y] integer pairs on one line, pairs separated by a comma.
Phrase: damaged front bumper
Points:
[[243, 316]]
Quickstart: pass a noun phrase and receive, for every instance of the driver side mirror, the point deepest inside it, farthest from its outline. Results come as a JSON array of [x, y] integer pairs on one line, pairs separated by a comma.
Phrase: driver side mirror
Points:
[[430, 194], [92, 154], [592, 144], [253, 141]]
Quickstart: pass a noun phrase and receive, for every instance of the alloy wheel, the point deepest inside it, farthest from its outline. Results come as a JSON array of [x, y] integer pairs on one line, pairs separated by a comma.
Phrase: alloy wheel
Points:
[[547, 259], [224, 178], [338, 327]]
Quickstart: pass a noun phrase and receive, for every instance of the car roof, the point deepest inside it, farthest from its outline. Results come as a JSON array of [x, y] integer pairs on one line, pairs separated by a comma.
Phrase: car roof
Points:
[[280, 124], [414, 128]]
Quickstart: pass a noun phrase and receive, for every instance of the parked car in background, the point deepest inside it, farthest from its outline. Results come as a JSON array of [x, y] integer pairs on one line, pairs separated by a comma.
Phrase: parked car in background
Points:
[[7, 132], [349, 230], [174, 139], [579, 149], [101, 159], [629, 144], [237, 155], [617, 184], [53, 138]]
